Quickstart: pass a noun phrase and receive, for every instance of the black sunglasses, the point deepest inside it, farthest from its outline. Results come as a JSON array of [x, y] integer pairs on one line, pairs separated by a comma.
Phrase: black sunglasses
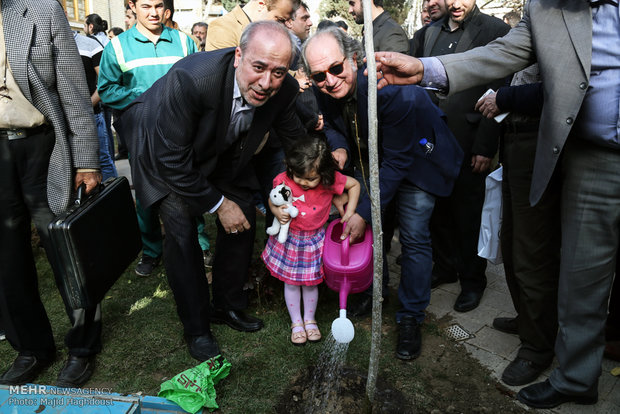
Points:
[[335, 70]]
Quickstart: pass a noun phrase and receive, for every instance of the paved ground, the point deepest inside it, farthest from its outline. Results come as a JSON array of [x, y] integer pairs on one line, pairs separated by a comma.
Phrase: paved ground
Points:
[[492, 348], [495, 349]]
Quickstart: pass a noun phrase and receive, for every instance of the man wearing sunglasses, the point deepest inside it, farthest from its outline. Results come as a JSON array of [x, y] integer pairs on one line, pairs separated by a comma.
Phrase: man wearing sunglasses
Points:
[[419, 161]]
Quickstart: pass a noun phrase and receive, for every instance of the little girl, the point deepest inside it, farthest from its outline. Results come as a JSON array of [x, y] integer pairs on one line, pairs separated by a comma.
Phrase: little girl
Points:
[[311, 174]]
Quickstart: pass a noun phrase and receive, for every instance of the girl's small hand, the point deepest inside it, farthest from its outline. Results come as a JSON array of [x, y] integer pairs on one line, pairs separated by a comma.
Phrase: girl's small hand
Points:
[[346, 217], [282, 215]]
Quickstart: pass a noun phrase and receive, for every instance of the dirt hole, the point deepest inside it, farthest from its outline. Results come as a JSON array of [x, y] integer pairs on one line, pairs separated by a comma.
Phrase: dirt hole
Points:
[[346, 395]]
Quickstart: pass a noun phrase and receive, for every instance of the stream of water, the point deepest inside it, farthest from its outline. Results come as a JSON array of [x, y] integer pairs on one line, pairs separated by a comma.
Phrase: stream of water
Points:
[[326, 379]]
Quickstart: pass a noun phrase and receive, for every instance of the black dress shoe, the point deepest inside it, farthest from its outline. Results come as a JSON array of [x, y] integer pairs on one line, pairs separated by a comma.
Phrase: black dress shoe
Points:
[[24, 369], [440, 279], [236, 320], [202, 347], [506, 325], [522, 371], [409, 339], [361, 308], [467, 300], [543, 395], [76, 372]]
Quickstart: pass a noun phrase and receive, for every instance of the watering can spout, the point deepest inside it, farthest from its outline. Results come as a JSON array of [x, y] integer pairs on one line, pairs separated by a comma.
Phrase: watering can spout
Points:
[[345, 286]]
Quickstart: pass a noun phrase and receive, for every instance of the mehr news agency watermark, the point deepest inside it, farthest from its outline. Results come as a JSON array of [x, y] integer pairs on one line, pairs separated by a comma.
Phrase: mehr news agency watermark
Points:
[[40, 395]]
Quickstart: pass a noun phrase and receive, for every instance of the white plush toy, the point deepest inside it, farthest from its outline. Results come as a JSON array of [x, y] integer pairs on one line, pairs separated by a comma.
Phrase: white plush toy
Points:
[[279, 196]]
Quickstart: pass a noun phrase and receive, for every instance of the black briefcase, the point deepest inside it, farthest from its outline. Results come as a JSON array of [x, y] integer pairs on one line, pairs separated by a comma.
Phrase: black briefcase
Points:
[[95, 240]]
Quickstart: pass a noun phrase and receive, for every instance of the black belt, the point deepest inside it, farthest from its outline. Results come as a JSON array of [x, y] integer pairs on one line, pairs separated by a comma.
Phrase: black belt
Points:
[[19, 133]]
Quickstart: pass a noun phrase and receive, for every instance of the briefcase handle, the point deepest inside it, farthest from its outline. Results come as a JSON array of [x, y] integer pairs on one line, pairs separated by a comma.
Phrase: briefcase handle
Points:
[[81, 195]]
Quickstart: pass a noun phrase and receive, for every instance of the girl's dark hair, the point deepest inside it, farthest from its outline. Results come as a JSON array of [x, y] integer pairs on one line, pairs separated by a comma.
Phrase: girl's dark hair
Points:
[[99, 25], [308, 154]]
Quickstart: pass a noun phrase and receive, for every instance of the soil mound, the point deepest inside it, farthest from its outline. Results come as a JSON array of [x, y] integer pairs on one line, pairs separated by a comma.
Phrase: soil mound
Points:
[[347, 395]]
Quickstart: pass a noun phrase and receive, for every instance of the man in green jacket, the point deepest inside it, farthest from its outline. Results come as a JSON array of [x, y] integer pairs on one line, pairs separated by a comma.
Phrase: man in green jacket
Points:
[[130, 64]]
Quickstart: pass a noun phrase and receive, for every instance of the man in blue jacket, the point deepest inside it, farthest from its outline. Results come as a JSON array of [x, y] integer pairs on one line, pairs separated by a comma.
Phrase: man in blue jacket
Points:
[[419, 160]]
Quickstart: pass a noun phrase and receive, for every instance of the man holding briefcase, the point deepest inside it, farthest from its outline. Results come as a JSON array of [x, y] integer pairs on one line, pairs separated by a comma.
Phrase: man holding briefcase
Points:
[[49, 145]]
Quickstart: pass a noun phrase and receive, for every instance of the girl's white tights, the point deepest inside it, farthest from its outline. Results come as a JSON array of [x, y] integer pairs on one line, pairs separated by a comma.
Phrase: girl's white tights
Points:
[[292, 296]]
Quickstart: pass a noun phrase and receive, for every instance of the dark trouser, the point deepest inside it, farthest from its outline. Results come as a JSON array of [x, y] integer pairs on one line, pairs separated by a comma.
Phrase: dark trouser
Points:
[[233, 254], [150, 230], [531, 249], [613, 319], [122, 146], [590, 214], [185, 266], [23, 198], [455, 226], [267, 164]]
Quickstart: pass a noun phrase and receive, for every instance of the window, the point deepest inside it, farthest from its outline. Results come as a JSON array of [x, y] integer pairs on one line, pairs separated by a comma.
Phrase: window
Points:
[[77, 10]]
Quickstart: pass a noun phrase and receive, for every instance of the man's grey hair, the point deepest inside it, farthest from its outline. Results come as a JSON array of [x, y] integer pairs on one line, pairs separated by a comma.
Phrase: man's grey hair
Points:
[[348, 46], [200, 24], [268, 25]]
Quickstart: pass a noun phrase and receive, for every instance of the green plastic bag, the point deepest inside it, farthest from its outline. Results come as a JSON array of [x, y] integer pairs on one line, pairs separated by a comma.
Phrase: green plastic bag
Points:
[[195, 388]]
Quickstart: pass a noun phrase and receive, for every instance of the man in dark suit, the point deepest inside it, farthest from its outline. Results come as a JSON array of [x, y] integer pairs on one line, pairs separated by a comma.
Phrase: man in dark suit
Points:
[[578, 142], [456, 220], [413, 170], [436, 11], [49, 146], [530, 235], [195, 132], [387, 35]]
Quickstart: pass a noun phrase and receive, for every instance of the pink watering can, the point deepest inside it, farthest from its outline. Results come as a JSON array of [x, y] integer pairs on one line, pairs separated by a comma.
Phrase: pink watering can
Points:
[[348, 269]]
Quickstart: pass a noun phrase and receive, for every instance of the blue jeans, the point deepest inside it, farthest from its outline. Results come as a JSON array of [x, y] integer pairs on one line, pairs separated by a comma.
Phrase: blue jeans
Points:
[[106, 158], [107, 117], [415, 208]]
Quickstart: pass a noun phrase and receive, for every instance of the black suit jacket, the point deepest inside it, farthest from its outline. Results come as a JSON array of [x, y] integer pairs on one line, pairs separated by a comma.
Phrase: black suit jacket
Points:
[[476, 134], [416, 43], [387, 35], [176, 133]]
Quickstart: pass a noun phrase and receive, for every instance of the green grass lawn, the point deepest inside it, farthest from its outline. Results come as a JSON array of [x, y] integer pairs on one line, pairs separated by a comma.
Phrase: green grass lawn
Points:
[[143, 344]]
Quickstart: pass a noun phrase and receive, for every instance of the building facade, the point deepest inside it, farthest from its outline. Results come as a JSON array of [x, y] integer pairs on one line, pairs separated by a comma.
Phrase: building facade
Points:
[[113, 11]]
